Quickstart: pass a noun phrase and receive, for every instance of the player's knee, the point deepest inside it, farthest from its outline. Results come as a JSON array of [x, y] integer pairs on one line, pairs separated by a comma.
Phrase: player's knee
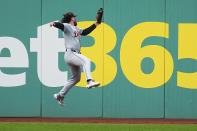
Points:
[[88, 62], [77, 79]]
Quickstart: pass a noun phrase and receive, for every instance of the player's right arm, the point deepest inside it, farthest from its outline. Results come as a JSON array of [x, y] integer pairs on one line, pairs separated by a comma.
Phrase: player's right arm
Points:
[[57, 25]]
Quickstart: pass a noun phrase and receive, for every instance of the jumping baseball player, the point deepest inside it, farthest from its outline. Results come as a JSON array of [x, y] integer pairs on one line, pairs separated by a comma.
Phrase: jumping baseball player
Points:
[[73, 57]]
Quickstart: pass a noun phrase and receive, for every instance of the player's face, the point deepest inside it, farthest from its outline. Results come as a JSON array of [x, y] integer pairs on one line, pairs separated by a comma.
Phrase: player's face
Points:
[[74, 21]]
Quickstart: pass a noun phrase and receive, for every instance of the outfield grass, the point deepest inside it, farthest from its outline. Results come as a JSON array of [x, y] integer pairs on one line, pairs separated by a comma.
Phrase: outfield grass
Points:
[[14, 126]]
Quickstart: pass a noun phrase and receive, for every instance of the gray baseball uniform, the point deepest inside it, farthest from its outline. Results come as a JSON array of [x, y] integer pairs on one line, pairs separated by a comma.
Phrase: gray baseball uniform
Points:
[[73, 57]]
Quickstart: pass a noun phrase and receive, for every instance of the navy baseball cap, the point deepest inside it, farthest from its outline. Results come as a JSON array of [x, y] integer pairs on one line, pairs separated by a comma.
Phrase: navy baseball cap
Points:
[[70, 14], [67, 17]]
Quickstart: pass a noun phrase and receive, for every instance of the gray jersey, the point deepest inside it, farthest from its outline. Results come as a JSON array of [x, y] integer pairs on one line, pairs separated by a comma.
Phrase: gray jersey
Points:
[[72, 36]]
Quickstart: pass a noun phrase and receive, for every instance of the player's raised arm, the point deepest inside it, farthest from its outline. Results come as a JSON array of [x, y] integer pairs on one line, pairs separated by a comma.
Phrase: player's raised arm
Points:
[[88, 30], [57, 25], [93, 26], [99, 16]]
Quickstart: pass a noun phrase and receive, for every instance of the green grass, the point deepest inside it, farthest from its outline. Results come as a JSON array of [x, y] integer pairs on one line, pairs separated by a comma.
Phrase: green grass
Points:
[[14, 126]]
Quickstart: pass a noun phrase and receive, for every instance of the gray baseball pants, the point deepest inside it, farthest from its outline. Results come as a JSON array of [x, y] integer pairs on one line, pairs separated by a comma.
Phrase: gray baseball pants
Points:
[[75, 61]]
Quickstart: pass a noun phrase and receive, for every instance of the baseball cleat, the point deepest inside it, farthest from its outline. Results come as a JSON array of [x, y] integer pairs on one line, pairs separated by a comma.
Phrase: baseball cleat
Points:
[[92, 83], [59, 99]]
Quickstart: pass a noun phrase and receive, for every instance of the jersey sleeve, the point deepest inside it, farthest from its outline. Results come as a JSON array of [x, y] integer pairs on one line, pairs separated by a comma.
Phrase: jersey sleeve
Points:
[[65, 27], [80, 30]]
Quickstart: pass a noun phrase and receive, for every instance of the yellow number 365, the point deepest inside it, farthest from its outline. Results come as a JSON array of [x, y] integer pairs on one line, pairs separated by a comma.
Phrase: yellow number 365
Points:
[[132, 53]]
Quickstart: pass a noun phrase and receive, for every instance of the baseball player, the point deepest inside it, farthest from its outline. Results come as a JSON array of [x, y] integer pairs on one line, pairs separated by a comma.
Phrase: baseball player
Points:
[[73, 57]]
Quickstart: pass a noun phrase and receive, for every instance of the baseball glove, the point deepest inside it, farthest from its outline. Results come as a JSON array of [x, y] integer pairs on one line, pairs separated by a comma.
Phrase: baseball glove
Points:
[[99, 15]]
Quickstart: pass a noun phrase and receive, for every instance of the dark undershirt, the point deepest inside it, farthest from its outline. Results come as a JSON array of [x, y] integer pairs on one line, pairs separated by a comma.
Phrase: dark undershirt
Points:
[[59, 26], [84, 33], [88, 30]]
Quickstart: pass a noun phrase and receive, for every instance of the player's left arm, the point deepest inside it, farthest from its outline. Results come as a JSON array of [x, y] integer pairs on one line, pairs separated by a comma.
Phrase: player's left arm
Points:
[[99, 16], [89, 29]]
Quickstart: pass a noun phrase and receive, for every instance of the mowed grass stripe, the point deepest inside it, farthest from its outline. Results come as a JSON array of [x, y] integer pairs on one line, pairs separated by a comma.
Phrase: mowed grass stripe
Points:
[[33, 126]]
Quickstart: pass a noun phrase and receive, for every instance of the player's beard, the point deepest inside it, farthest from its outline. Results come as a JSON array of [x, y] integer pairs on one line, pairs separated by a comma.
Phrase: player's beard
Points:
[[75, 23]]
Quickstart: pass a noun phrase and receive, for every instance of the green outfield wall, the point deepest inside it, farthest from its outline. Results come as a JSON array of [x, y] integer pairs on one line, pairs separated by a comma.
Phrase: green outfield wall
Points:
[[144, 54]]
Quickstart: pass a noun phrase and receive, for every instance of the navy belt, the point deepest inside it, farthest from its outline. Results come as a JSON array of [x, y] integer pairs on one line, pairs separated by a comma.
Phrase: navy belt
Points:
[[74, 50]]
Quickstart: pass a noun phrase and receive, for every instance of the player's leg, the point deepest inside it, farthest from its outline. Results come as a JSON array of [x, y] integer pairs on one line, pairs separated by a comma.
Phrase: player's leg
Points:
[[86, 64], [76, 75]]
